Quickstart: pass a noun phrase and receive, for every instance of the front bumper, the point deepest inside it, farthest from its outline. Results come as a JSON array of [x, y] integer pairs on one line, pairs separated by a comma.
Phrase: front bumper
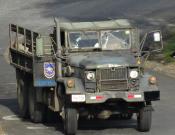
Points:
[[139, 96]]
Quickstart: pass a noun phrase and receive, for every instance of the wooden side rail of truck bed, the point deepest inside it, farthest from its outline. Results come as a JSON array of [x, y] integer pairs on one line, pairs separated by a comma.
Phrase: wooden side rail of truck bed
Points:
[[22, 47], [22, 39]]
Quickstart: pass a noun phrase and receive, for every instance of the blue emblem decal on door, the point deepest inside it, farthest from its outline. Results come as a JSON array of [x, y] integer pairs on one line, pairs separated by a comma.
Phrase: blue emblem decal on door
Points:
[[49, 70]]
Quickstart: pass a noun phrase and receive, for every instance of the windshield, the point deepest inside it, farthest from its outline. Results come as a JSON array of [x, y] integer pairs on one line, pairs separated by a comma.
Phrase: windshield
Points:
[[115, 40], [109, 40], [83, 39]]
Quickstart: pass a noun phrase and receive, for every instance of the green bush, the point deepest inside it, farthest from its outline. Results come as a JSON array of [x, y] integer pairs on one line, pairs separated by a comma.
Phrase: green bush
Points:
[[169, 49]]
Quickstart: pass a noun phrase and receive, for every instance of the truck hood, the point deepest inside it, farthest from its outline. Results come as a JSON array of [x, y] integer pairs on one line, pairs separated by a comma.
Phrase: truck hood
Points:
[[101, 60]]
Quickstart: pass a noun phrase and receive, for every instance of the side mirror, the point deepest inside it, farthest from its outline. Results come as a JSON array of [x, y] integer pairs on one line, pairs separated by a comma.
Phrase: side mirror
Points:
[[152, 42]]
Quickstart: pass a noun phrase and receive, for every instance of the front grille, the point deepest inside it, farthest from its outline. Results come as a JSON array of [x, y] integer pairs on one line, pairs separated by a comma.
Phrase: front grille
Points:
[[112, 79], [114, 85], [113, 73]]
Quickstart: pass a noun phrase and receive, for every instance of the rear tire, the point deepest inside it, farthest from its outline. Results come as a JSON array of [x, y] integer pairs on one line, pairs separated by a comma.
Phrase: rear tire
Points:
[[70, 121], [36, 110], [144, 119], [22, 97]]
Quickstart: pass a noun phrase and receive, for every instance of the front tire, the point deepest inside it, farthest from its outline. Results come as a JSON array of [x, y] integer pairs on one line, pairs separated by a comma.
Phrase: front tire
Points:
[[144, 119], [70, 121]]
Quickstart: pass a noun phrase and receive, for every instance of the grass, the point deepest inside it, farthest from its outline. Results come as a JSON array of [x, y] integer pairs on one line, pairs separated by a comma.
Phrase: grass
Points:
[[169, 49]]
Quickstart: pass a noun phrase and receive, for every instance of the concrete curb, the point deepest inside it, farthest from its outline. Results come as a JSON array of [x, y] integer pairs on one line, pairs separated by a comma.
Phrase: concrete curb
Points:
[[168, 69]]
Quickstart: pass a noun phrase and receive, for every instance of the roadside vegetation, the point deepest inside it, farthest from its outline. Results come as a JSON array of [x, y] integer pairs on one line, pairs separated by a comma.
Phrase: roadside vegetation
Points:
[[169, 49], [164, 62]]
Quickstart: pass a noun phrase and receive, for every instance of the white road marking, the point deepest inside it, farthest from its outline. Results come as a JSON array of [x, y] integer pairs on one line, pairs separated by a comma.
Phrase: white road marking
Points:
[[8, 83], [11, 117], [11, 83], [34, 128], [2, 132]]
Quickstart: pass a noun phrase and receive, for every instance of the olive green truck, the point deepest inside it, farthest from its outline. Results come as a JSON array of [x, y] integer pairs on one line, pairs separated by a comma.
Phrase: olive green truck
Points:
[[85, 69]]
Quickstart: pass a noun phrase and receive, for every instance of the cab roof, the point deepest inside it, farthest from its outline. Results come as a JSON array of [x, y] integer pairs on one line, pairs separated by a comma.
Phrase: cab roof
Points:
[[96, 25]]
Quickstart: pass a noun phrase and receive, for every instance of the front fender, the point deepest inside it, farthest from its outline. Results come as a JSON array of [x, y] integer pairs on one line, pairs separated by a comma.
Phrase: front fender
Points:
[[144, 84], [79, 87], [151, 92]]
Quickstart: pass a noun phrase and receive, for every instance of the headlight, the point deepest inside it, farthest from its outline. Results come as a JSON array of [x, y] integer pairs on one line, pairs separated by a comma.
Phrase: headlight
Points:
[[133, 74], [90, 76]]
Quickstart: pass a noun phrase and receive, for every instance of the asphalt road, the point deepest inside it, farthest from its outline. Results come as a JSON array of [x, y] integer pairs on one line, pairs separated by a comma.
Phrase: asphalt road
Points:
[[38, 14]]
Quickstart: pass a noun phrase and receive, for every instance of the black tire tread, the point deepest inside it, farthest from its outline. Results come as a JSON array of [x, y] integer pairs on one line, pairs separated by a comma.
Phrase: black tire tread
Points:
[[145, 119], [22, 85], [71, 122], [37, 112]]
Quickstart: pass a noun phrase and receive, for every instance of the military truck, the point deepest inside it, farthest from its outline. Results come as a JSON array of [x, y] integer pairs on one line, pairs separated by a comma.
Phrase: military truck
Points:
[[85, 70]]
